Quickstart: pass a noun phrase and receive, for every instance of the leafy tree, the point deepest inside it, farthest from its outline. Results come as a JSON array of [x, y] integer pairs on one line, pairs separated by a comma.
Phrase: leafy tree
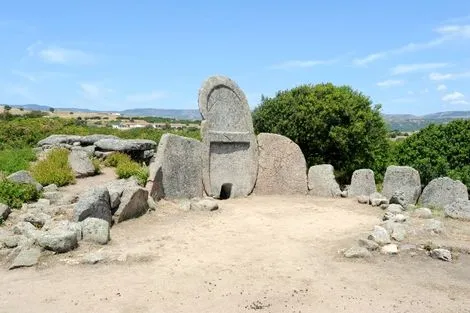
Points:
[[51, 110], [21, 109], [438, 150], [331, 124], [7, 107]]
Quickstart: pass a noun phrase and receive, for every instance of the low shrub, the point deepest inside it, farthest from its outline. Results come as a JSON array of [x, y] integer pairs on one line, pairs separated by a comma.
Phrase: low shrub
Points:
[[13, 160], [131, 168], [96, 165], [54, 169], [15, 194], [116, 158]]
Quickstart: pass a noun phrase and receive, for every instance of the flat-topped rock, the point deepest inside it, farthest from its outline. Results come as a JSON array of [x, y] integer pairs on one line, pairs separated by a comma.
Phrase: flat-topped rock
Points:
[[322, 182], [443, 191], [230, 151], [123, 145], [362, 183], [282, 167], [91, 139], [55, 140], [404, 180], [177, 170]]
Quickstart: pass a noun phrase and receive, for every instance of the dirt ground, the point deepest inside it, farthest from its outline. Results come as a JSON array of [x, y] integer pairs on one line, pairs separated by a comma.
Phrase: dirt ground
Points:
[[266, 254]]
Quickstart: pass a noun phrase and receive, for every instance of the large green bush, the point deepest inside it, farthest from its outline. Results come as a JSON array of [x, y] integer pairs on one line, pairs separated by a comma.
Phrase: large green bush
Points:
[[13, 160], [331, 124], [438, 150], [126, 168], [54, 169], [15, 194]]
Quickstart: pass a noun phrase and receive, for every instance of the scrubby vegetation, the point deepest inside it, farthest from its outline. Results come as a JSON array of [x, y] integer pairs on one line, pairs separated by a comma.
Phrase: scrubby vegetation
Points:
[[126, 168], [15, 194], [54, 169], [335, 125], [13, 160]]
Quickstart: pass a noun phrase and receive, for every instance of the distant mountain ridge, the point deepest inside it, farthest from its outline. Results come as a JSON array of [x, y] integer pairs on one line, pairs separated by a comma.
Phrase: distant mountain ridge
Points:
[[400, 122]]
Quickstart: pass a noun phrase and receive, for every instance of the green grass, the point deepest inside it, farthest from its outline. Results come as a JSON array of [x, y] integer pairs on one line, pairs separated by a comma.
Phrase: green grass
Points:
[[126, 168], [54, 169], [13, 160], [15, 194]]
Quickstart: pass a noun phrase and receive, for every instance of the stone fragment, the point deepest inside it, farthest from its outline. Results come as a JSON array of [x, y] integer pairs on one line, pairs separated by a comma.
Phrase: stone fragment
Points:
[[368, 244], [81, 164], [362, 183], [399, 198], [133, 204], [403, 179], [377, 199], [11, 241], [399, 218], [443, 191], [424, 213], [203, 205], [389, 249], [394, 208], [357, 252], [5, 211], [322, 181], [230, 150], [26, 229], [24, 177], [282, 167], [27, 257], [177, 170], [54, 197], [380, 235], [95, 230], [459, 209], [93, 203], [399, 232], [441, 254], [115, 200], [363, 199], [58, 240], [38, 219]]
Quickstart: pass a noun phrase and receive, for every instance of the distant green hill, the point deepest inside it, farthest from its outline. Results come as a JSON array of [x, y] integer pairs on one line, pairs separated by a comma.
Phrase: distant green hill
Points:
[[409, 123]]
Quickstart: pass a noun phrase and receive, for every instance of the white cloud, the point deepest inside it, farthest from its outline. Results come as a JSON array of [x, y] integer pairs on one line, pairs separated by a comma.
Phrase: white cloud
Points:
[[441, 87], [390, 83], [92, 91], [454, 30], [448, 76], [146, 97], [409, 68], [454, 96], [459, 102], [60, 55], [302, 64]]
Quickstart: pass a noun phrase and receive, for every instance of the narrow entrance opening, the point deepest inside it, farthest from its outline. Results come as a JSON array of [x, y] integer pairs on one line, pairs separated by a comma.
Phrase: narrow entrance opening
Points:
[[225, 191]]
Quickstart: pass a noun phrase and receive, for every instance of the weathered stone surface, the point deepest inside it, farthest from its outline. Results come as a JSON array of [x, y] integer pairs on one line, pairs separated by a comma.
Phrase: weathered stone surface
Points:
[[24, 177], [357, 252], [368, 244], [403, 179], [91, 139], [5, 211], [282, 168], [377, 199], [93, 203], [363, 199], [11, 241], [58, 240], [459, 209], [422, 213], [81, 164], [37, 219], [125, 145], [230, 151], [50, 188], [398, 232], [399, 218], [55, 140], [203, 205], [115, 200], [394, 208], [95, 230], [26, 229], [28, 256], [177, 171], [322, 181], [389, 249], [89, 150], [443, 191], [362, 183], [54, 197], [380, 235], [441, 254], [133, 204]]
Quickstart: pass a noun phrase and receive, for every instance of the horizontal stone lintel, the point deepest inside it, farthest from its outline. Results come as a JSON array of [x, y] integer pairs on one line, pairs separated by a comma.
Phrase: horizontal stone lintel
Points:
[[222, 136]]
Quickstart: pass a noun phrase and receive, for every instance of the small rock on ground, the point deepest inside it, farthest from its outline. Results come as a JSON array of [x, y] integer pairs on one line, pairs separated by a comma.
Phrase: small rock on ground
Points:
[[357, 252], [389, 249], [363, 199], [368, 244], [380, 235], [26, 258], [95, 230], [441, 254]]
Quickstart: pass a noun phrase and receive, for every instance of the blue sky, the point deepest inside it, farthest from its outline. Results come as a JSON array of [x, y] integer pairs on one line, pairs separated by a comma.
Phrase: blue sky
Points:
[[410, 56]]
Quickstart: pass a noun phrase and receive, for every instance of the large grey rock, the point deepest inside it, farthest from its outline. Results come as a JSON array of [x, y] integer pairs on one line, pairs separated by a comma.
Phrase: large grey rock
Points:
[[230, 152], [93, 203], [203, 205], [403, 179], [133, 204], [282, 167], [91, 139], [322, 181], [24, 177], [443, 191], [58, 240], [459, 209], [81, 164], [125, 145], [380, 235], [177, 171], [89, 150], [56, 140], [357, 252], [95, 230], [5, 211], [28, 256], [362, 183]]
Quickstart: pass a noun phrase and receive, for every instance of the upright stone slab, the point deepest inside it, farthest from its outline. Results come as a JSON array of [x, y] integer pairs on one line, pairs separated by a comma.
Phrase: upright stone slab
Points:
[[443, 191], [230, 152], [177, 171], [404, 180], [282, 168], [322, 182], [362, 183]]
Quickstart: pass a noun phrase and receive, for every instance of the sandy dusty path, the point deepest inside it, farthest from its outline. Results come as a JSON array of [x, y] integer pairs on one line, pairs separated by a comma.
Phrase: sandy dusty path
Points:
[[272, 254]]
